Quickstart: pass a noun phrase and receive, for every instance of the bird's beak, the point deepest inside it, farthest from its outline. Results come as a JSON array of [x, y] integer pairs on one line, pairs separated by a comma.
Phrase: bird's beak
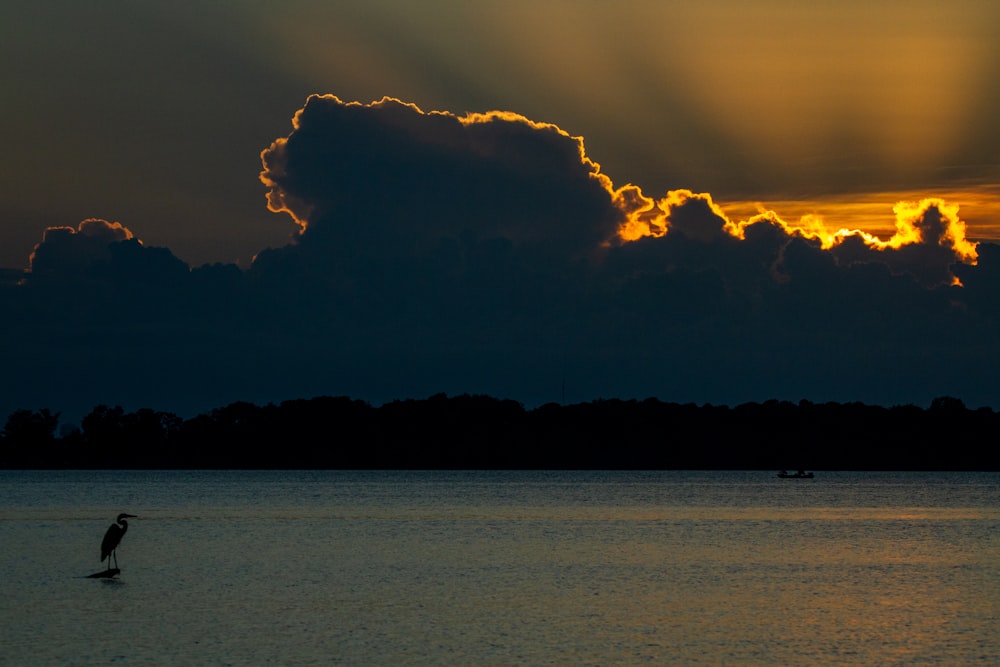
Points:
[[131, 516]]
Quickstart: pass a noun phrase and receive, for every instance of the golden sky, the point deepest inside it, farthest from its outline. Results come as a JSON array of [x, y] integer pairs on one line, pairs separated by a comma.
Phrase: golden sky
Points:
[[155, 113]]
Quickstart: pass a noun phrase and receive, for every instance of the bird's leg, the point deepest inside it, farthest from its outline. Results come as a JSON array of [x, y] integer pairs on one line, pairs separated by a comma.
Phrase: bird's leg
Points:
[[115, 554]]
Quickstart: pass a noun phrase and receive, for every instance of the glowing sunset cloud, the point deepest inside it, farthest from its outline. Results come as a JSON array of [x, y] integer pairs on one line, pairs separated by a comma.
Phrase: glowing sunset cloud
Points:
[[536, 167], [911, 226], [439, 175], [946, 231], [980, 205]]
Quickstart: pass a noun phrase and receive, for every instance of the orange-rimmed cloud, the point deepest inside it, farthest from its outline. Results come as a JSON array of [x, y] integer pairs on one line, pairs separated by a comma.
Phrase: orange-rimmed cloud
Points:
[[386, 178], [391, 173], [65, 247], [869, 211], [930, 223]]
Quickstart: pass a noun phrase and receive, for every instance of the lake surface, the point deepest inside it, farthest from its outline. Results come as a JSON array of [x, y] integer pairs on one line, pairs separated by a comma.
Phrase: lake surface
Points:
[[502, 568]]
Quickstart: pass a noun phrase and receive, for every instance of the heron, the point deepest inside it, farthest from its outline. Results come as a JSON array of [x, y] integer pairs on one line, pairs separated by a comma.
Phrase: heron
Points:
[[109, 545]]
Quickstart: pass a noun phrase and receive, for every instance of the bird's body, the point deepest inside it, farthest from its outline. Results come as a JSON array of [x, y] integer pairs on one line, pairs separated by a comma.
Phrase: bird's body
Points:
[[113, 537]]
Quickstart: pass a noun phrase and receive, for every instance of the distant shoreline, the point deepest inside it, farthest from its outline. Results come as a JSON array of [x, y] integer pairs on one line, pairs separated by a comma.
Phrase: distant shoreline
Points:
[[474, 432]]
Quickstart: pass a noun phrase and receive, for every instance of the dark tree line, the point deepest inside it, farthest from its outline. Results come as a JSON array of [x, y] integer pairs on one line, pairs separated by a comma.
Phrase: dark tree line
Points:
[[481, 432]]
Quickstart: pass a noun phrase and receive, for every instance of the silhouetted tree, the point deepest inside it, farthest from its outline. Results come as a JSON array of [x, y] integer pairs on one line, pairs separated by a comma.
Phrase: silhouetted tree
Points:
[[29, 436], [103, 440], [482, 432]]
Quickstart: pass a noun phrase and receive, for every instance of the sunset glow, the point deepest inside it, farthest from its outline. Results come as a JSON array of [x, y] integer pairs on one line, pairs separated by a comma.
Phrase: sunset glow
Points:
[[641, 215], [713, 202], [648, 219], [908, 216], [733, 267], [870, 211]]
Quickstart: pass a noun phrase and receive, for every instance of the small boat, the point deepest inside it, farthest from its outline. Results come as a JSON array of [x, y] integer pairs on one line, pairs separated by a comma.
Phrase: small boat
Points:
[[801, 474]]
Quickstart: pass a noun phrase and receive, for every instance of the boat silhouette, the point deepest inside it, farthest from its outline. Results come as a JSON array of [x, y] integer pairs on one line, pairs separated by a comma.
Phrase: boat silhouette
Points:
[[801, 474]]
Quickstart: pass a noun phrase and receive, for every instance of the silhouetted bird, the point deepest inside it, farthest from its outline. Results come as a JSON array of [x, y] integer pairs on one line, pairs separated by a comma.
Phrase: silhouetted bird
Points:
[[109, 545]]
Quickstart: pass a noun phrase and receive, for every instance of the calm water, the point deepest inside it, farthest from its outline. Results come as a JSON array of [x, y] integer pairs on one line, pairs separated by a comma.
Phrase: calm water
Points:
[[513, 568]]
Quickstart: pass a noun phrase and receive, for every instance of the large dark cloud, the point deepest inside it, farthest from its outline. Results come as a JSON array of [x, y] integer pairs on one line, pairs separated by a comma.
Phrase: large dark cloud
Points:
[[489, 254], [387, 175]]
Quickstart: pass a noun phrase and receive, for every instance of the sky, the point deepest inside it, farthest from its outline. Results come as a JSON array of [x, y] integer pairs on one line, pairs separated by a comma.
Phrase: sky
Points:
[[711, 201]]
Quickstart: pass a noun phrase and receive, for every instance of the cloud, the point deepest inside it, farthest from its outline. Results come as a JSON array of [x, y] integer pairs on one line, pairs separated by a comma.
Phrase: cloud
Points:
[[930, 238], [64, 251], [387, 174], [386, 180], [488, 253]]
